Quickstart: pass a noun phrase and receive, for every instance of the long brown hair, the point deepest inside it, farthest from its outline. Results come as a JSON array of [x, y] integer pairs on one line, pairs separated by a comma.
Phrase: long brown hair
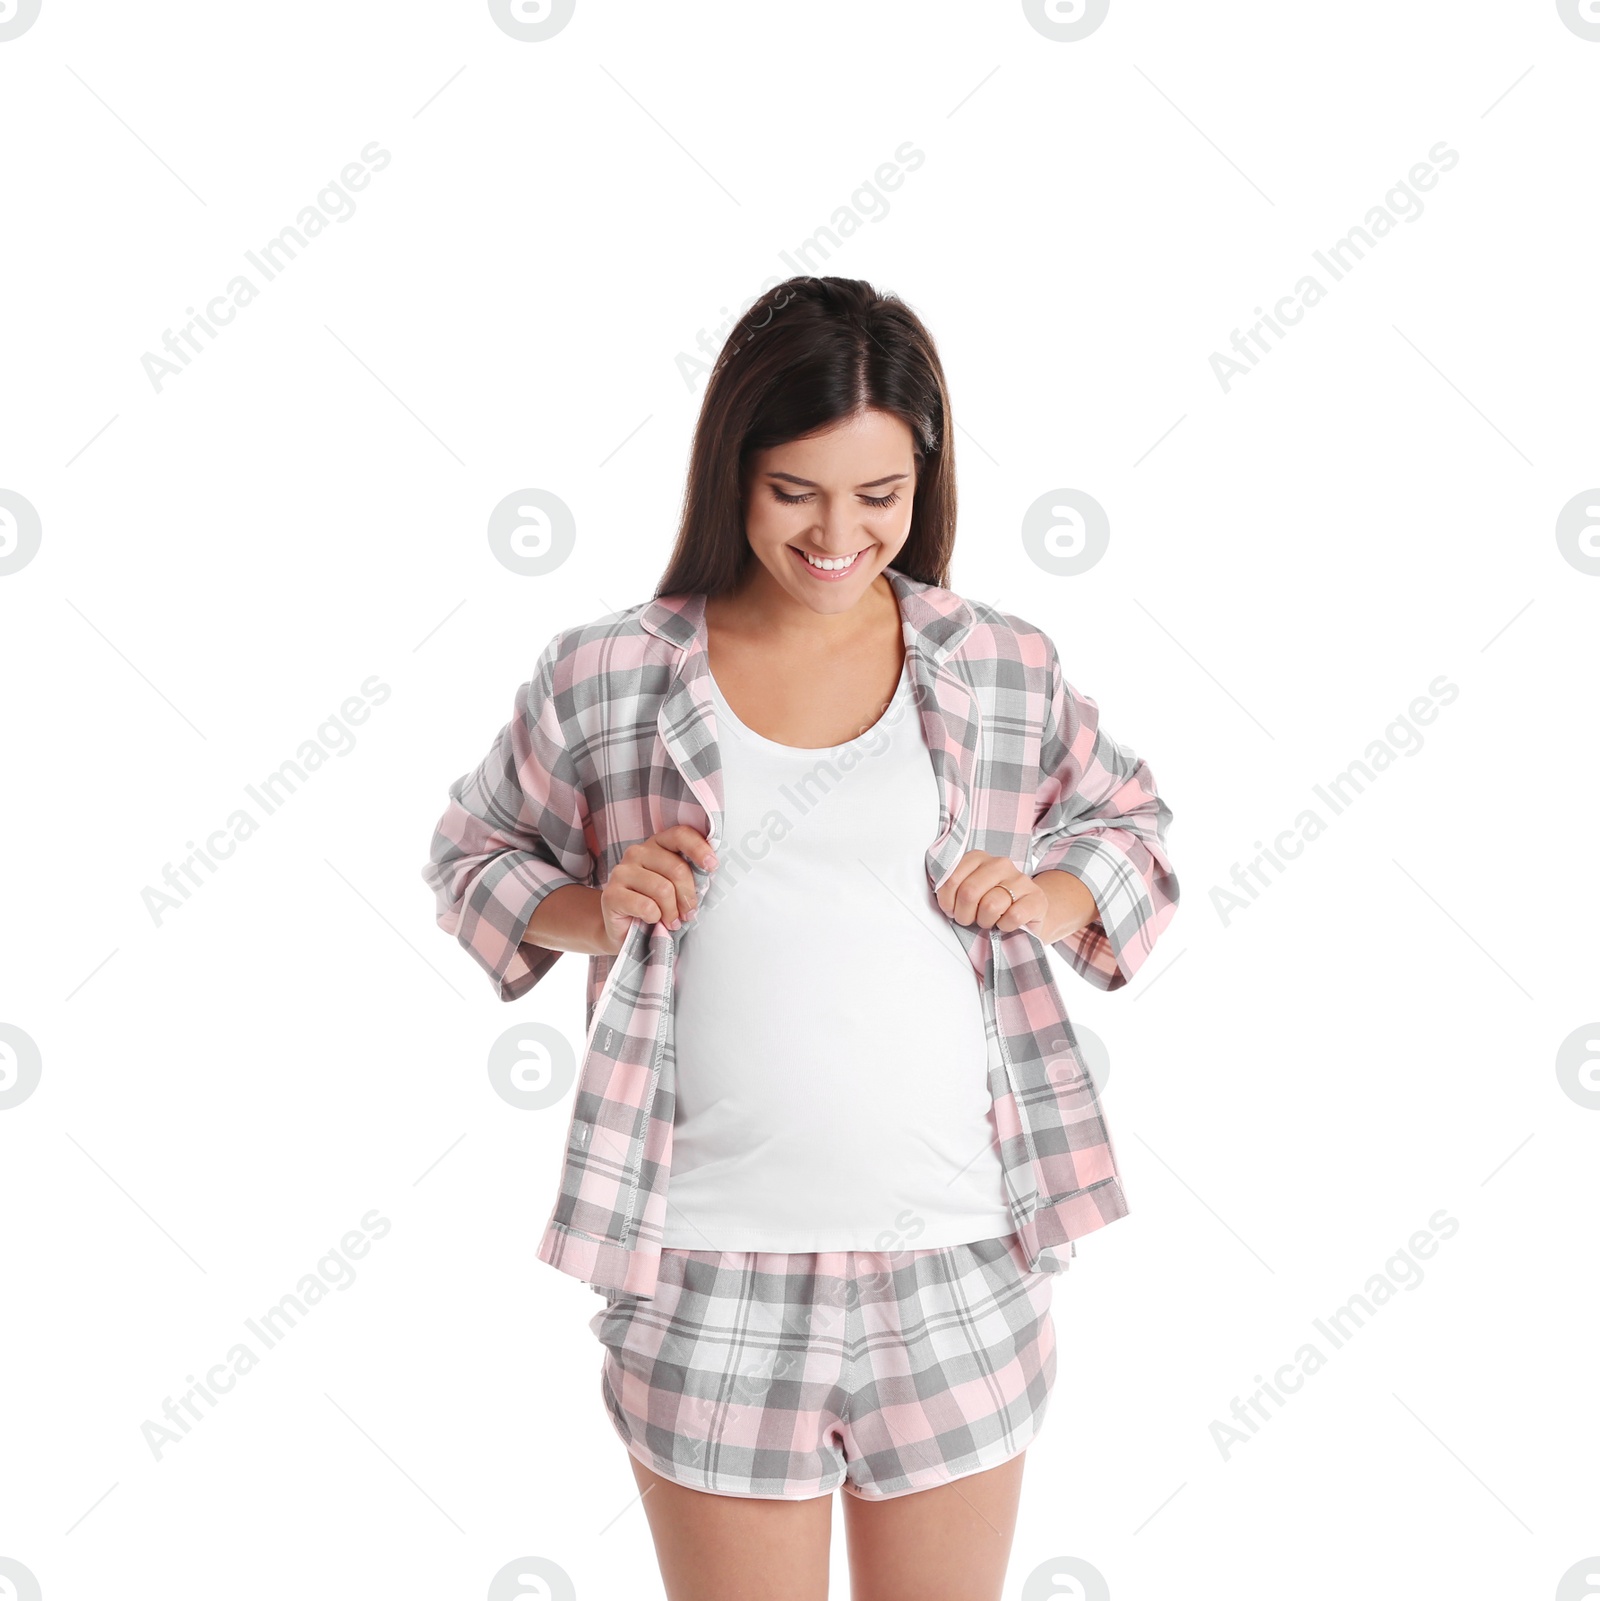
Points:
[[808, 353]]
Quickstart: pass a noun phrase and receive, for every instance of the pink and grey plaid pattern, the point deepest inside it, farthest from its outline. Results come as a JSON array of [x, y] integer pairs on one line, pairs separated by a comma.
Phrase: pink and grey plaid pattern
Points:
[[614, 739], [760, 1373]]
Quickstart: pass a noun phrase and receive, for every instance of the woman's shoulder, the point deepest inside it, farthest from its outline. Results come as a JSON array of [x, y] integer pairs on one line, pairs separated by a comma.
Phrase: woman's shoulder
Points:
[[615, 641], [1000, 634], [968, 626]]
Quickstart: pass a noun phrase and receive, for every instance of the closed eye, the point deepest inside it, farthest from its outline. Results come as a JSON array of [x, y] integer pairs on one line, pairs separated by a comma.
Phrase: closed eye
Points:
[[878, 501]]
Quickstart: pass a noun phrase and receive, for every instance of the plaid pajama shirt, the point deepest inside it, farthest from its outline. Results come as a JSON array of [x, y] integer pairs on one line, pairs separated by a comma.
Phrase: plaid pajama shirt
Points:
[[614, 739]]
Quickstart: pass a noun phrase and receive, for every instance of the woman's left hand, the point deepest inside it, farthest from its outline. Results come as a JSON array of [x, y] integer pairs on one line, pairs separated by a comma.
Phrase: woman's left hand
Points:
[[977, 892], [980, 891]]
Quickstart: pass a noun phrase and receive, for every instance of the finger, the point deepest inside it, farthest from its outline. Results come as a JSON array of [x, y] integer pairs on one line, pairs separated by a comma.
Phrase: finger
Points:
[[947, 891], [1020, 902], [656, 887], [979, 883], [992, 906], [623, 903], [1031, 908], [668, 864], [1020, 913], [687, 842], [656, 858]]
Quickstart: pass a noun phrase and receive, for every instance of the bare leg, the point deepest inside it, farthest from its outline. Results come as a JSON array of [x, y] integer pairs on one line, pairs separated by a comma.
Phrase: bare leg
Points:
[[946, 1544], [736, 1548]]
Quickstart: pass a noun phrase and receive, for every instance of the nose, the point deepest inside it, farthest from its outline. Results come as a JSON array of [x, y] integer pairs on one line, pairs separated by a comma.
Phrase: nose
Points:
[[838, 534]]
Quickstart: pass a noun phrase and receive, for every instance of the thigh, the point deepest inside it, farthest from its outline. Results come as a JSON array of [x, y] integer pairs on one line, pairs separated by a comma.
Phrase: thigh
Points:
[[950, 1543], [736, 1548]]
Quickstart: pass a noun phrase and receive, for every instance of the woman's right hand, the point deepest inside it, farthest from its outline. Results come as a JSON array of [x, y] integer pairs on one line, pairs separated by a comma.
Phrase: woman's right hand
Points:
[[652, 881]]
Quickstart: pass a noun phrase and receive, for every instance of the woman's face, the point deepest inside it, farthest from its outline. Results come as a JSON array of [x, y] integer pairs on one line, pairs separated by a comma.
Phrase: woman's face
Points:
[[841, 496]]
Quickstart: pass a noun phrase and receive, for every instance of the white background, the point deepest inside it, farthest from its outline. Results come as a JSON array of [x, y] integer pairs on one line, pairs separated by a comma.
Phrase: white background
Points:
[[1293, 1091]]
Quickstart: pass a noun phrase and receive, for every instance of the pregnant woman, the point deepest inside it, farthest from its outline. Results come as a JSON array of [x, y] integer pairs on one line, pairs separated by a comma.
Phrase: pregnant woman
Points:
[[815, 818]]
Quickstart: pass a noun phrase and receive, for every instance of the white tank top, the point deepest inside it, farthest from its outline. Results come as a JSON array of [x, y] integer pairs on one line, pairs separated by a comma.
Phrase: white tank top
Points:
[[832, 1063]]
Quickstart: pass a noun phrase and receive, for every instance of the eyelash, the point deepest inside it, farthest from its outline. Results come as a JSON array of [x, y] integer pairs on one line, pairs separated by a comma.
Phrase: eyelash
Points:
[[876, 501]]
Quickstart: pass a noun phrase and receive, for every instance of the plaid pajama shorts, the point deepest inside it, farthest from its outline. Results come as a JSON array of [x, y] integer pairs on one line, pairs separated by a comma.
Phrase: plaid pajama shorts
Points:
[[786, 1376]]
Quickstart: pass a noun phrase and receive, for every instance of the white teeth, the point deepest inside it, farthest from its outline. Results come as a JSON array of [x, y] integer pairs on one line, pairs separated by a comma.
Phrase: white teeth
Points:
[[830, 564]]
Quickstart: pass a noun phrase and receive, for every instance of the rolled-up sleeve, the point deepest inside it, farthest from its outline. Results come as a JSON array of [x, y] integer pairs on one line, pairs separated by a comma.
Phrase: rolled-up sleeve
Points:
[[513, 832], [1098, 817]]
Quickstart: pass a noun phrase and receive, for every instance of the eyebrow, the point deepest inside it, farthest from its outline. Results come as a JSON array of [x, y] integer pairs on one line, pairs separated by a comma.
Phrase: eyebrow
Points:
[[876, 483]]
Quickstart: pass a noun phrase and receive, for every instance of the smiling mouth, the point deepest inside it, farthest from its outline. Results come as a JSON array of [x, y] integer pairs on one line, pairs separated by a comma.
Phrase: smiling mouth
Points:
[[832, 565]]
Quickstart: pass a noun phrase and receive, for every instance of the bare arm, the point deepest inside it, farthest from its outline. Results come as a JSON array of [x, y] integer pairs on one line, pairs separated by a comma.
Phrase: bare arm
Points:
[[570, 919], [1072, 906]]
